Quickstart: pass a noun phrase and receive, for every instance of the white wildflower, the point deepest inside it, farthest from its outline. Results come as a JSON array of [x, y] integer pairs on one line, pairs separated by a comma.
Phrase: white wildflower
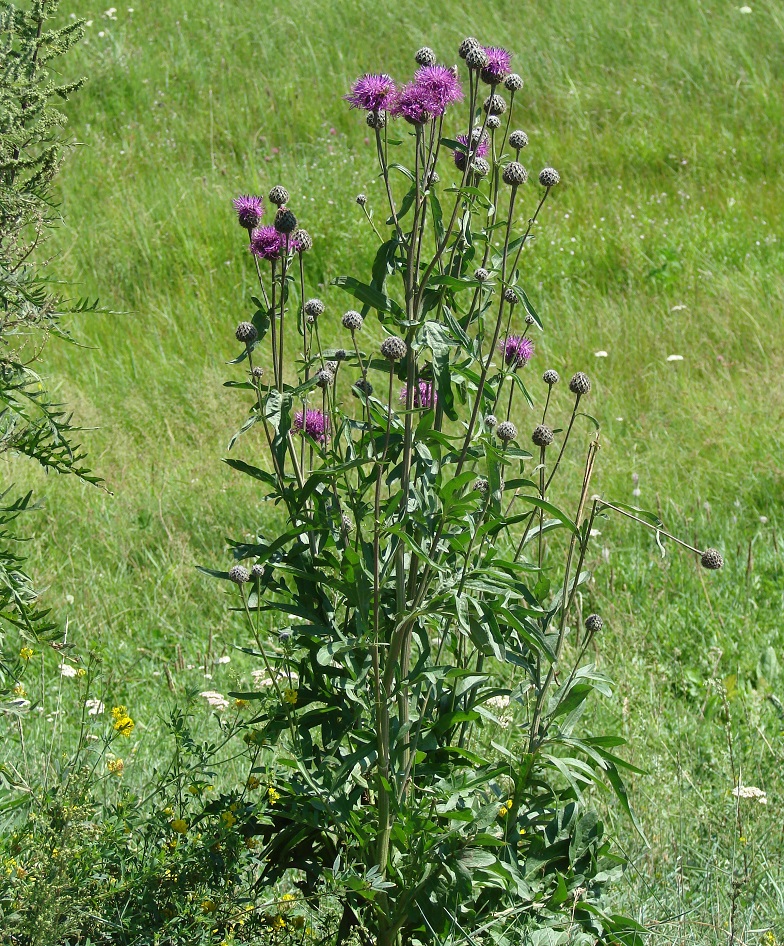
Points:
[[678, 308], [500, 706], [218, 700], [674, 357], [600, 354], [67, 670], [223, 660], [744, 9], [94, 707], [750, 791]]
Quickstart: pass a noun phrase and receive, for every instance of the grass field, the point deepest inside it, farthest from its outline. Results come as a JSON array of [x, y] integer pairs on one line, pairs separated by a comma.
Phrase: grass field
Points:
[[664, 120]]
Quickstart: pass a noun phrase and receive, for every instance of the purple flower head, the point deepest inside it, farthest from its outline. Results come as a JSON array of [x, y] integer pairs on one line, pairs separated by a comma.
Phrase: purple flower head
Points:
[[499, 65], [315, 424], [517, 350], [424, 396], [371, 92], [441, 85], [249, 210], [414, 103], [480, 149], [267, 243]]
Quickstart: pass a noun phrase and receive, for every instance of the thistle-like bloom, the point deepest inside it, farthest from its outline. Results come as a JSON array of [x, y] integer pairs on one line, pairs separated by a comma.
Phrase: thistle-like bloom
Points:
[[517, 351], [480, 149], [441, 84], [499, 65], [270, 244], [315, 424], [424, 394], [371, 92], [267, 243], [249, 210], [413, 102]]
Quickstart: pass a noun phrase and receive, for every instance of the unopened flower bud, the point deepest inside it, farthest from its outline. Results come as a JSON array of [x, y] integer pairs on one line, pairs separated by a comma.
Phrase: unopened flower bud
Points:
[[361, 199], [481, 274], [551, 377], [425, 56], [549, 177], [377, 119], [518, 140], [352, 320], [285, 221], [324, 377], [302, 240], [711, 558], [394, 348], [580, 384], [476, 58], [470, 42], [594, 623], [506, 431], [542, 436], [314, 307], [495, 104], [510, 296], [278, 195], [246, 333], [491, 421], [515, 174], [513, 82], [363, 385], [239, 575]]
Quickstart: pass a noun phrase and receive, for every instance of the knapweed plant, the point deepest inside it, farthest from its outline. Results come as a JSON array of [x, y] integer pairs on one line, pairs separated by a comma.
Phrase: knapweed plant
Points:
[[427, 675]]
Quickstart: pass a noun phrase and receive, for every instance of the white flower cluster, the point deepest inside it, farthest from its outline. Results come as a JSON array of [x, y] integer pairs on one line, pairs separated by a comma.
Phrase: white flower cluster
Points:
[[750, 791]]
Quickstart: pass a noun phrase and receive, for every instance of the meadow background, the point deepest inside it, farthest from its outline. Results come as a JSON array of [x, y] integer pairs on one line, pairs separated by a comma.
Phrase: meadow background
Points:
[[664, 120]]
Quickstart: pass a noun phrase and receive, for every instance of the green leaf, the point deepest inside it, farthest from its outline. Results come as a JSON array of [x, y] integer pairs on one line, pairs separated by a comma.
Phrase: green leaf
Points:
[[614, 778], [553, 510], [368, 295], [440, 342]]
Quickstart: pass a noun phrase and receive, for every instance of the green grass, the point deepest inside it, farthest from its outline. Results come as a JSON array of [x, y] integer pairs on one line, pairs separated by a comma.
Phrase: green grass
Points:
[[664, 120]]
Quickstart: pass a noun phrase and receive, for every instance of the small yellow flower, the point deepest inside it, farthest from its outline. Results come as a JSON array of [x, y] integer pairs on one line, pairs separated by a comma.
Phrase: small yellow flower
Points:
[[251, 843], [279, 923], [55, 852], [273, 795], [19, 690], [502, 811], [25, 653], [290, 696], [509, 803], [240, 704], [208, 906], [228, 819], [169, 812], [252, 782], [286, 902], [194, 789], [179, 825], [115, 766], [81, 672], [123, 724]]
